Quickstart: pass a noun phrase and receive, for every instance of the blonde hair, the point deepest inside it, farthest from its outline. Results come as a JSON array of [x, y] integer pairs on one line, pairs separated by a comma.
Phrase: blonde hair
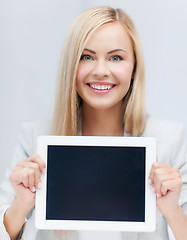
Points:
[[68, 103]]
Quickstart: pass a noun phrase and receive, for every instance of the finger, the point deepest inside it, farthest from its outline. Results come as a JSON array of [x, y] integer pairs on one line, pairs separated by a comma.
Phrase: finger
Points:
[[155, 166], [173, 185], [28, 179], [37, 159], [32, 182], [18, 176], [35, 167], [162, 172], [159, 165], [158, 184], [23, 176], [37, 174], [159, 180], [160, 168], [159, 175]]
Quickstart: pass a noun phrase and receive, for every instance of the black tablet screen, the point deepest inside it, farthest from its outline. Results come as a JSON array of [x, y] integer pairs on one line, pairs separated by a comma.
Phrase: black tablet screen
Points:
[[95, 183]]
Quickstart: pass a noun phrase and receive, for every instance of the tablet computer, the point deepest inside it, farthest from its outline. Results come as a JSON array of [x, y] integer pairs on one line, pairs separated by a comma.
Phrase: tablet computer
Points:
[[96, 183]]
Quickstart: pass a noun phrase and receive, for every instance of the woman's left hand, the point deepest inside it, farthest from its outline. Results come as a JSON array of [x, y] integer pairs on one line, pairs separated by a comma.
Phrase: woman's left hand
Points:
[[166, 182]]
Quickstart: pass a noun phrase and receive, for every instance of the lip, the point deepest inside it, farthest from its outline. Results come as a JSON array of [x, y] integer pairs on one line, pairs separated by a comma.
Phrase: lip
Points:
[[101, 87]]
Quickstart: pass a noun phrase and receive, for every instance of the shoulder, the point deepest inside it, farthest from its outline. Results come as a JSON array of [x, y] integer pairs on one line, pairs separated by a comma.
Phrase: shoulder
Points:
[[157, 127], [170, 138], [30, 131], [36, 127]]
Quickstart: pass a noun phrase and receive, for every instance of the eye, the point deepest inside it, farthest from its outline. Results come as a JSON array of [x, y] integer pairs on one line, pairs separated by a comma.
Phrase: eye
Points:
[[116, 58], [86, 57]]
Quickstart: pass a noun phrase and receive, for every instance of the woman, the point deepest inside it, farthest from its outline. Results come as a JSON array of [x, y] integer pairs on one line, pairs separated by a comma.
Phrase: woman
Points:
[[100, 91]]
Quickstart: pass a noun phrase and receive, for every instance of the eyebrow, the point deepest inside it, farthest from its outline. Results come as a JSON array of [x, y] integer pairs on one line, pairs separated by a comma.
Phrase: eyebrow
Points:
[[112, 51], [89, 50], [116, 50]]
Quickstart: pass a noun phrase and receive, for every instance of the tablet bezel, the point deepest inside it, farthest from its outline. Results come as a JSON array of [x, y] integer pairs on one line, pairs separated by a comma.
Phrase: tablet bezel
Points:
[[150, 199]]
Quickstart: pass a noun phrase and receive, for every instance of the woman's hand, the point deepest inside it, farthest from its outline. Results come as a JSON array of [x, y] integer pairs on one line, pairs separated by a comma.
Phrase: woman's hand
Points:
[[26, 178], [166, 182]]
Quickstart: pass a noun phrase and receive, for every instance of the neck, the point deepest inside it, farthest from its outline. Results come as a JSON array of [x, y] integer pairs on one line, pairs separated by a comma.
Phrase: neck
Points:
[[98, 122]]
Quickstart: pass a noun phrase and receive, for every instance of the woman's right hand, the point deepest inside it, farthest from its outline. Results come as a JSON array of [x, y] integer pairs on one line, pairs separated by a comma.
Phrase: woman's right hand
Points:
[[25, 179]]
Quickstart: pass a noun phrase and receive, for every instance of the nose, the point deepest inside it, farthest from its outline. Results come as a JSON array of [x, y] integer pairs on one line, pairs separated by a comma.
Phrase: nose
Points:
[[101, 70]]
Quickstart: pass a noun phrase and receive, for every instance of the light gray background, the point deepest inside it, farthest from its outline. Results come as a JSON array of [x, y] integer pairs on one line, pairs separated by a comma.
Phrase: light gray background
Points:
[[31, 36]]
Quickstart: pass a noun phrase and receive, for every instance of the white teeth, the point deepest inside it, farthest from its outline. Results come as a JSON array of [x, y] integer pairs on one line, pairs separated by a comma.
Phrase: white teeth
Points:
[[101, 87]]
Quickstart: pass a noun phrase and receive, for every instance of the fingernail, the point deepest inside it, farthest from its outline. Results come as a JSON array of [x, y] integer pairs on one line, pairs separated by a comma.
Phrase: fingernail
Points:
[[39, 185], [34, 189], [44, 170], [158, 195]]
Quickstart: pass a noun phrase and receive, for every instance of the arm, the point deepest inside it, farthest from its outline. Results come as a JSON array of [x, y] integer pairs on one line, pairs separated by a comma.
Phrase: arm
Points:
[[25, 179], [14, 219], [167, 183], [179, 229], [170, 186], [13, 209]]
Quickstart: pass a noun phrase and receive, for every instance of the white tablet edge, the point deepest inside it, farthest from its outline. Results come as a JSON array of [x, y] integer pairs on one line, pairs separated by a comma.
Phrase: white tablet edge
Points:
[[150, 201]]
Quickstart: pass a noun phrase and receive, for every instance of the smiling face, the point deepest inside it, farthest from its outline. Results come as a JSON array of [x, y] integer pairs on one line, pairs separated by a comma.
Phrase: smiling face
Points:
[[106, 66]]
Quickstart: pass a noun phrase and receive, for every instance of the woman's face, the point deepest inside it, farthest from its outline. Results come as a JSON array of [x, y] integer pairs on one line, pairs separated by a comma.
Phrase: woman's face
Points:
[[106, 67]]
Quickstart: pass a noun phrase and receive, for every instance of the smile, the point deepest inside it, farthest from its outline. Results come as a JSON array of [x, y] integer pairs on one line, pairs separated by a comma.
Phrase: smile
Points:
[[101, 88]]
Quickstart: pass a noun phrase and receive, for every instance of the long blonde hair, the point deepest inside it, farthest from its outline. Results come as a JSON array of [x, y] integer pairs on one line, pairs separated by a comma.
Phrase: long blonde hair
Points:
[[68, 103]]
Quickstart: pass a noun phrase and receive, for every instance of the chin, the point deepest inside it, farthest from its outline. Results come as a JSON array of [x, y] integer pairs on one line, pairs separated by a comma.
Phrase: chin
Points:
[[102, 106]]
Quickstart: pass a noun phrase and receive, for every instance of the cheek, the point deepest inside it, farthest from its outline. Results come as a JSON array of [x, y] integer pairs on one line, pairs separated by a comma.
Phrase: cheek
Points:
[[123, 74], [82, 72], [79, 74]]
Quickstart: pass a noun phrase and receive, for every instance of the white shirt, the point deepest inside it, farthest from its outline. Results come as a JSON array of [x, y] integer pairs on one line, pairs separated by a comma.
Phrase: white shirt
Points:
[[171, 149]]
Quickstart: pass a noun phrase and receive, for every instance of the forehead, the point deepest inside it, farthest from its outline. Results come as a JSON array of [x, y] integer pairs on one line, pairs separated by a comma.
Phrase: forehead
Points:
[[111, 35]]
